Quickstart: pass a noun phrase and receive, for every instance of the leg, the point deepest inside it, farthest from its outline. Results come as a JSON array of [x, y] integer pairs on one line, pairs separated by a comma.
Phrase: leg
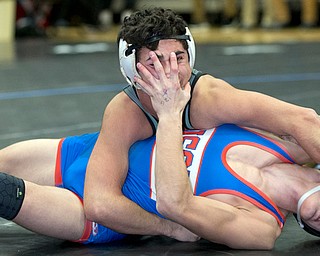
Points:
[[268, 14], [309, 15], [32, 160], [249, 13], [199, 13], [230, 9], [52, 211], [282, 13], [46, 210]]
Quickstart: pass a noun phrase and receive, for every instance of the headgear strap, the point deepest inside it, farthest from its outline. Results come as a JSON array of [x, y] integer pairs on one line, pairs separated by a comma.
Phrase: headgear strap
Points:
[[127, 52]]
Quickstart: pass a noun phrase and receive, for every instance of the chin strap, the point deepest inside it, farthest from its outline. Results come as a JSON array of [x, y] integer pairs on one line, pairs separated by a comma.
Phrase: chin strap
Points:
[[301, 200]]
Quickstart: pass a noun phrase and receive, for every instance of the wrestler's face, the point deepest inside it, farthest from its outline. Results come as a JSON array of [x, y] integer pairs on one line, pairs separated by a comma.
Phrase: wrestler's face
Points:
[[165, 47]]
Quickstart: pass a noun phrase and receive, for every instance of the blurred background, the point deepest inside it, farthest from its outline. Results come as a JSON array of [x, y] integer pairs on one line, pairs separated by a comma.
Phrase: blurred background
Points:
[[59, 61], [47, 17], [59, 68]]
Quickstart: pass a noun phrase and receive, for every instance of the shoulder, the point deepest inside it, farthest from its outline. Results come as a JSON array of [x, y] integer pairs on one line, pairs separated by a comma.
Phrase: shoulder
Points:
[[121, 104], [208, 101], [122, 114], [208, 86]]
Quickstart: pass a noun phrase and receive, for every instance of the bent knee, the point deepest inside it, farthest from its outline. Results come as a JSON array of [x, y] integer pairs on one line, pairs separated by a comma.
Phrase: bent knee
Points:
[[8, 160]]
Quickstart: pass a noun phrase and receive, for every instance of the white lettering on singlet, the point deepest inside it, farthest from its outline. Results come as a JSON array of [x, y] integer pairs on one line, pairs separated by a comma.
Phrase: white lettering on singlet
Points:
[[194, 144]]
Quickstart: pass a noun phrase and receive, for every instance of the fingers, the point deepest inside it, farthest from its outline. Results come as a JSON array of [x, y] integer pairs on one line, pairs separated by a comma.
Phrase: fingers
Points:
[[167, 70], [174, 65], [187, 88], [146, 79], [157, 66], [164, 74]]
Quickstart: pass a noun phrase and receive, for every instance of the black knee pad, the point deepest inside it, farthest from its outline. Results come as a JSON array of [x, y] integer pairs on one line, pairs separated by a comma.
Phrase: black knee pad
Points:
[[12, 192]]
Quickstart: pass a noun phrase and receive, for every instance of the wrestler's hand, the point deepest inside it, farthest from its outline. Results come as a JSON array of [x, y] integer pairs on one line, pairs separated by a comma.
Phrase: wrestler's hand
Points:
[[180, 233], [166, 93]]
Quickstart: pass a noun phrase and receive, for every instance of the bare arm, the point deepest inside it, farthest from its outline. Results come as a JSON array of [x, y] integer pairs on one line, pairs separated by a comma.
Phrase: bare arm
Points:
[[107, 169], [216, 102], [210, 219]]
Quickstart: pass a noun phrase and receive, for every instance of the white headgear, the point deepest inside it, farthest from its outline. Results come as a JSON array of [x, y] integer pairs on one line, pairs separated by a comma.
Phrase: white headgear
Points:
[[127, 56]]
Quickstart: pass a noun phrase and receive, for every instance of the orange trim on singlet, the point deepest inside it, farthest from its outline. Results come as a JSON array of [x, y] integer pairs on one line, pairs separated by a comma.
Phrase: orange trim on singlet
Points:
[[249, 184], [273, 141], [57, 174], [86, 232], [58, 182], [247, 198], [87, 228]]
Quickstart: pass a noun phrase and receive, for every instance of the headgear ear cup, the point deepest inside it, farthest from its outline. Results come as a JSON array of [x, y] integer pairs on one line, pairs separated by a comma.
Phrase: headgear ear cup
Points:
[[127, 58], [191, 48], [128, 63]]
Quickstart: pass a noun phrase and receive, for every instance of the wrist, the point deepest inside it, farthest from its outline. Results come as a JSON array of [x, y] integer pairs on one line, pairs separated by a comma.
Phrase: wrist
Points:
[[165, 228], [175, 117], [169, 124]]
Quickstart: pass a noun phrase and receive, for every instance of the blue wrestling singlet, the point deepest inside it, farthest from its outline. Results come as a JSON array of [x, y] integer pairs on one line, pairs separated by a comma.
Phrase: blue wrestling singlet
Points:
[[72, 161], [205, 157]]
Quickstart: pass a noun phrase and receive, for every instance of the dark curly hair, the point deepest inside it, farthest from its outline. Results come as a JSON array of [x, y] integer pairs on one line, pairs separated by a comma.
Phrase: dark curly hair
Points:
[[141, 26]]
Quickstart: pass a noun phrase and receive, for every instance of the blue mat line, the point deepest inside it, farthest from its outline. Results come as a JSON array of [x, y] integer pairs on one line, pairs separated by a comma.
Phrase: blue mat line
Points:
[[117, 87]]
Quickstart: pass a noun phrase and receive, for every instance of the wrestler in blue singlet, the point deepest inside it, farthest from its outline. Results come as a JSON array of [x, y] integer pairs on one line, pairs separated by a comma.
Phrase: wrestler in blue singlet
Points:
[[71, 167], [205, 154]]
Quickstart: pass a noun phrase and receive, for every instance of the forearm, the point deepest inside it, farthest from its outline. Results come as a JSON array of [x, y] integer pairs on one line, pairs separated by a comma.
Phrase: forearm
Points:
[[248, 108], [172, 183], [127, 217], [283, 118], [261, 111], [307, 133], [105, 203]]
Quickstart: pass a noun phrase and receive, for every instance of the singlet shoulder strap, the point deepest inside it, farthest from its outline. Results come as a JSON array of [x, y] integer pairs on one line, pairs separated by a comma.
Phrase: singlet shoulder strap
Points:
[[196, 74], [130, 91]]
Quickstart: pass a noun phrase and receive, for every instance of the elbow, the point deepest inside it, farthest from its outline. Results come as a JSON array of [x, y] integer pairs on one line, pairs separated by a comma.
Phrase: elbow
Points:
[[310, 117], [264, 241], [99, 210], [306, 131], [311, 114], [94, 210], [165, 208], [268, 239], [265, 245], [268, 244], [173, 205], [170, 207], [306, 116]]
